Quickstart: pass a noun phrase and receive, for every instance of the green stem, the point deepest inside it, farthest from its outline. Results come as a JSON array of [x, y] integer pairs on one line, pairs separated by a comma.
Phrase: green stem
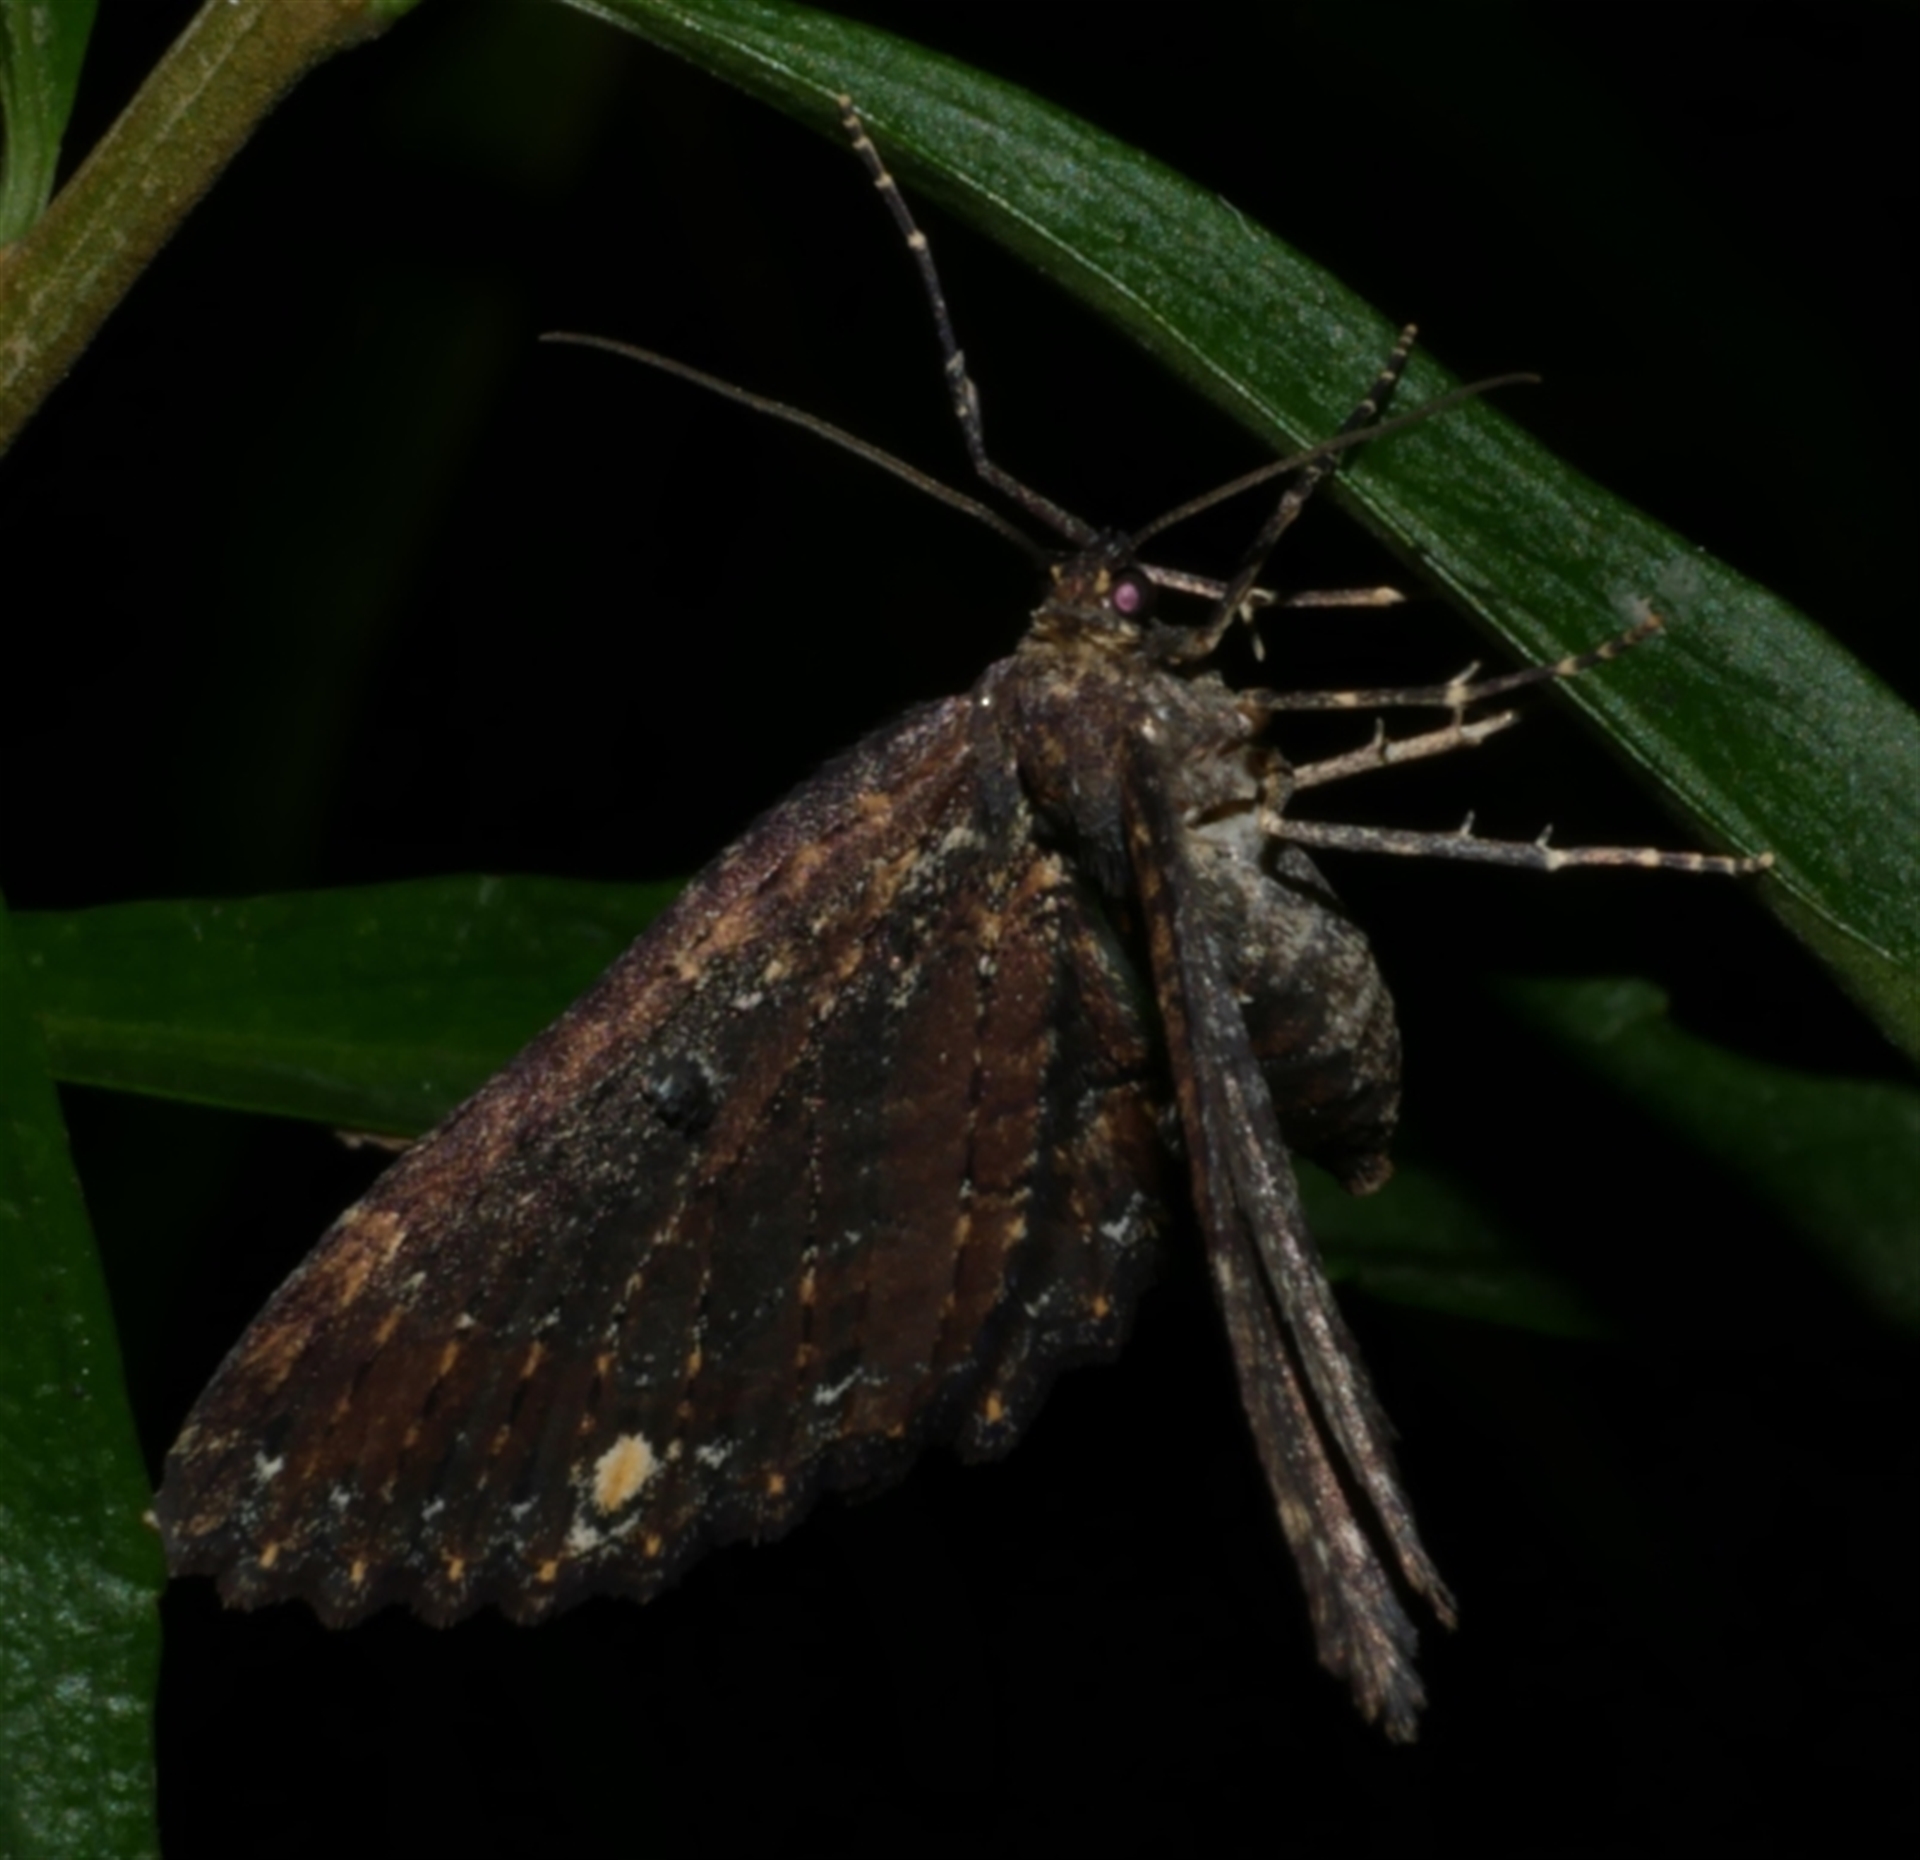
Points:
[[202, 101]]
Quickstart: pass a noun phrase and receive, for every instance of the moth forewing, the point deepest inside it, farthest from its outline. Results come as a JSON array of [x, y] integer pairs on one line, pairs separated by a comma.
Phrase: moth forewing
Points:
[[853, 1150]]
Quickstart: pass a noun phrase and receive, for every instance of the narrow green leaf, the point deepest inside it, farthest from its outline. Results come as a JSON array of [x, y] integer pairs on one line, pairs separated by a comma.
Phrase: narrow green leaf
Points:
[[1423, 1241], [1757, 727], [380, 1008], [42, 46], [79, 1569], [1838, 1160], [374, 1009]]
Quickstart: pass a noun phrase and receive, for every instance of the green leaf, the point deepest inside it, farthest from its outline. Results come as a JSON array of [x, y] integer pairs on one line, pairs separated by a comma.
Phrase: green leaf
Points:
[[79, 1568], [1754, 725], [1424, 1241], [380, 1008], [373, 1009], [1837, 1160], [42, 46]]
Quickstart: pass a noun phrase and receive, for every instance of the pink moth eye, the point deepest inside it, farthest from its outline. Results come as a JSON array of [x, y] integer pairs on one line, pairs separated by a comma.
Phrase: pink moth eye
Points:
[[1132, 597]]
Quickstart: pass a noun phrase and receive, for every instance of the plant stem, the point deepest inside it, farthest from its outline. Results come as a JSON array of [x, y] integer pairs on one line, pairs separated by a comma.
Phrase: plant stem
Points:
[[197, 107]]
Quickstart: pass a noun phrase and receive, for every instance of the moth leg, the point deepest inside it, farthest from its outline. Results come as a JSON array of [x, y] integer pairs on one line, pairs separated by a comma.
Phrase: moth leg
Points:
[[383, 1141], [1387, 752], [1466, 690], [1459, 695], [1257, 600], [1331, 597], [1321, 1434], [1530, 855]]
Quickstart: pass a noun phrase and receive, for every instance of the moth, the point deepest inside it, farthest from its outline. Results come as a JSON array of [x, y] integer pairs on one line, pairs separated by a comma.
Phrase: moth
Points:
[[874, 1132]]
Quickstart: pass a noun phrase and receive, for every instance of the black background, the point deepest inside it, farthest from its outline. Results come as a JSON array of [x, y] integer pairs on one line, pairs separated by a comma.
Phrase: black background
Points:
[[339, 577]]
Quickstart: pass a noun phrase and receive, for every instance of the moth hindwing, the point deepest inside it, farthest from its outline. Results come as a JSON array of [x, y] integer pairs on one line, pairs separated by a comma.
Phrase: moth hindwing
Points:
[[872, 1133]]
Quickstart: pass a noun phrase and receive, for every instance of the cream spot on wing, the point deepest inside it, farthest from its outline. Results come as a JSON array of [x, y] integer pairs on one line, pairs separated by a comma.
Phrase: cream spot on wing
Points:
[[367, 1239], [376, 1229], [622, 1470], [807, 861], [275, 1350]]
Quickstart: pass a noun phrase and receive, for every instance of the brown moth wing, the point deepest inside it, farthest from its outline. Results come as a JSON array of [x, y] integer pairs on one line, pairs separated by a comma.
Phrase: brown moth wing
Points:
[[856, 1146], [1321, 1435]]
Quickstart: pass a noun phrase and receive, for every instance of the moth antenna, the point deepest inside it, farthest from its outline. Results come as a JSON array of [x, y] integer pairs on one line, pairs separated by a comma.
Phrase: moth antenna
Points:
[[821, 429], [960, 388], [1294, 498], [1343, 441], [1232, 597], [1314, 466]]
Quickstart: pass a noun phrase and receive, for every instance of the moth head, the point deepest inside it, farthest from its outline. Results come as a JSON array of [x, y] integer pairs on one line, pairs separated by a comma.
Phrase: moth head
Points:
[[1098, 593]]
